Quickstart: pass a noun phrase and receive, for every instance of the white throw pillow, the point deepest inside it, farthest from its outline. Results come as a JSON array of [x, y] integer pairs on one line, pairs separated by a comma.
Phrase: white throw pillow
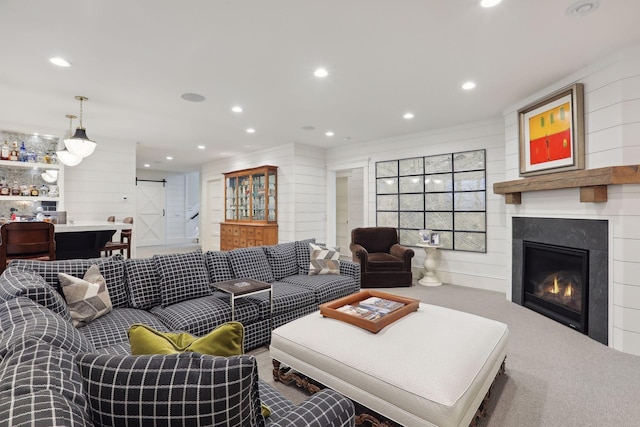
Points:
[[87, 298], [324, 260]]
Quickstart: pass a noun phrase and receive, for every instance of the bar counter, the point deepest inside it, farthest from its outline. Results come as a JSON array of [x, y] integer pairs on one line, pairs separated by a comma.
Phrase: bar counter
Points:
[[83, 239]]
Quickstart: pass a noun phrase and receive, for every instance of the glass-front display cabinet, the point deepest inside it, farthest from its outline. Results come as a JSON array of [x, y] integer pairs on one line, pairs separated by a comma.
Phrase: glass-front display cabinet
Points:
[[251, 212]]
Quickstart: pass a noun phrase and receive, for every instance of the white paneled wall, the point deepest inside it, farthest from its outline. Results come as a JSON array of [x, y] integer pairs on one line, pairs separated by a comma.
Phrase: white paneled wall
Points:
[[479, 270], [612, 126]]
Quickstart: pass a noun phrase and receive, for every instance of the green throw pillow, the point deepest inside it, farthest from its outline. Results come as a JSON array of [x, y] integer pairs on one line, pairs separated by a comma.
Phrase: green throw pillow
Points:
[[225, 340]]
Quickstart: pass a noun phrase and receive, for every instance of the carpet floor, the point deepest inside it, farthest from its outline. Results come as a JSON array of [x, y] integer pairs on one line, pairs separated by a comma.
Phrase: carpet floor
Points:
[[554, 376]]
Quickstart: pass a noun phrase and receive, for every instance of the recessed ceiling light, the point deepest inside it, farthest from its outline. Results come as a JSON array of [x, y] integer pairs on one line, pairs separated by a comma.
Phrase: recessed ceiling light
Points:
[[60, 62], [192, 97], [236, 109], [169, 158], [329, 133], [582, 7], [147, 165], [321, 72], [307, 127], [251, 130], [489, 3], [201, 147], [468, 85], [408, 116]]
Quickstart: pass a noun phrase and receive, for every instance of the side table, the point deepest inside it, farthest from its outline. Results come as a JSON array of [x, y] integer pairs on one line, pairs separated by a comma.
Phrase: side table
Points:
[[429, 278], [238, 288]]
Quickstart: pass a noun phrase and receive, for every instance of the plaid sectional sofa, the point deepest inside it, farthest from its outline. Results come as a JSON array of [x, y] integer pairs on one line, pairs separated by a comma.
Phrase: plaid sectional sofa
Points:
[[53, 374]]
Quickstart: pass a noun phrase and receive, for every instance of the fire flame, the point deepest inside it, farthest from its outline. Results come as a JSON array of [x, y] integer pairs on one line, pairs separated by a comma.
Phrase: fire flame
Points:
[[568, 291], [555, 288]]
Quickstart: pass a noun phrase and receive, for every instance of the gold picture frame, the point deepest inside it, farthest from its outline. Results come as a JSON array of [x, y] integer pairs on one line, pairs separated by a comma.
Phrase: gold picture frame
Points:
[[551, 133]]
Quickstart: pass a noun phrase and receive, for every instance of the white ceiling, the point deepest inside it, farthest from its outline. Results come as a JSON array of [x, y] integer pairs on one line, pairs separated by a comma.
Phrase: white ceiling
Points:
[[133, 60]]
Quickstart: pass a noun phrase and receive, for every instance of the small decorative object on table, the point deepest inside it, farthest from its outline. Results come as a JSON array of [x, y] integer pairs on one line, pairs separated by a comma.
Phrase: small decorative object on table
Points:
[[435, 239], [369, 309], [425, 235]]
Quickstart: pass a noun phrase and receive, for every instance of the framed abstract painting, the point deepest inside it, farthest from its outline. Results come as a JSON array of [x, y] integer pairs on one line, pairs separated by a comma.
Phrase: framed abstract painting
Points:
[[551, 133]]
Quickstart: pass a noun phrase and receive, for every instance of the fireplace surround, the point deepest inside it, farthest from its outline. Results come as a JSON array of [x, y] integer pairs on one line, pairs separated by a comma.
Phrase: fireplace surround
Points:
[[584, 239]]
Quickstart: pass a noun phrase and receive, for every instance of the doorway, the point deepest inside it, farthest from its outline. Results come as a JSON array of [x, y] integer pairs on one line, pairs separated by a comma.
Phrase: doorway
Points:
[[350, 196]]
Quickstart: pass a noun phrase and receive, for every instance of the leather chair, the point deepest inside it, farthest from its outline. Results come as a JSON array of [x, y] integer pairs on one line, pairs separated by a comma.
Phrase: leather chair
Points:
[[124, 245], [27, 240], [383, 262]]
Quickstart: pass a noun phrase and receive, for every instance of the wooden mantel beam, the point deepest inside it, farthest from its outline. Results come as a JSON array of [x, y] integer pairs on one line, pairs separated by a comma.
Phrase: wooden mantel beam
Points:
[[592, 183]]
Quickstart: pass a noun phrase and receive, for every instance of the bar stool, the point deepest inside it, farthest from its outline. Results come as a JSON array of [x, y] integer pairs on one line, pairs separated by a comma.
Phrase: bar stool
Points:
[[27, 240], [124, 245]]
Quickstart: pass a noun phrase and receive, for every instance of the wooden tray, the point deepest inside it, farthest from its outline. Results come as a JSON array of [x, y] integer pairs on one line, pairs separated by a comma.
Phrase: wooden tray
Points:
[[329, 309]]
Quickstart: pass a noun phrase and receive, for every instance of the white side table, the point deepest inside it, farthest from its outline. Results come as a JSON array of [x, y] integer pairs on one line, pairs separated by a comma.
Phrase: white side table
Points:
[[429, 278]]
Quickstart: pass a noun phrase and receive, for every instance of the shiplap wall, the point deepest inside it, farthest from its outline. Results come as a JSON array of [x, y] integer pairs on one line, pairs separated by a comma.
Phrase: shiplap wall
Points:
[[297, 165], [486, 270], [612, 126]]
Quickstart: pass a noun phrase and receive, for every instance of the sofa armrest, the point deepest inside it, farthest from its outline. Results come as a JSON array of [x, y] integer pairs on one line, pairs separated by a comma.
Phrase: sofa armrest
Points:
[[350, 268], [359, 254], [326, 408], [404, 254]]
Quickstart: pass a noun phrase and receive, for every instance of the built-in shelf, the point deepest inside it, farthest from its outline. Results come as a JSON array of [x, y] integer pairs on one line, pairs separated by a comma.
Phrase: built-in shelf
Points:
[[33, 165], [29, 198], [592, 183]]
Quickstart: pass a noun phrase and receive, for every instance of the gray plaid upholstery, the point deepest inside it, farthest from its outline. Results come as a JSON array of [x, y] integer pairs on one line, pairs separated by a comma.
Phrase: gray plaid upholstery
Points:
[[256, 334], [40, 385], [182, 277], [251, 263], [286, 297], [21, 317], [185, 389], [288, 316], [112, 328], [15, 283], [325, 287], [218, 265], [282, 259], [326, 408], [144, 282], [196, 316], [303, 255], [350, 268], [112, 269]]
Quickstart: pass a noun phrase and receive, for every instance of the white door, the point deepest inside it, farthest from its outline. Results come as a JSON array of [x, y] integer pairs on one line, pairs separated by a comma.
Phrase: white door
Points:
[[150, 213], [215, 196], [342, 215]]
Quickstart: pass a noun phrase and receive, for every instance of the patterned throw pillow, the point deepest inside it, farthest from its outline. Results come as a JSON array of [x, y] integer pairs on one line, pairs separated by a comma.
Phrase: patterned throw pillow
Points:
[[282, 260], [87, 298], [184, 389], [324, 260], [225, 340], [144, 283], [182, 277], [251, 263]]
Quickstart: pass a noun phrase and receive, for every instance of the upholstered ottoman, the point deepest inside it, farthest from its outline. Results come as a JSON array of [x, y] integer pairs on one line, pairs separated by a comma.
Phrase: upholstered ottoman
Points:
[[432, 367]]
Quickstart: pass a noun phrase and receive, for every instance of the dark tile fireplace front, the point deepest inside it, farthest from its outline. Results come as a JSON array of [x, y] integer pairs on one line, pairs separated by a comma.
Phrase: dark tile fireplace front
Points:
[[560, 269]]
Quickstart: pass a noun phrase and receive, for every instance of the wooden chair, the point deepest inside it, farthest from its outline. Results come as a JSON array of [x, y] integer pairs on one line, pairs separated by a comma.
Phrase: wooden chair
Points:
[[27, 240], [124, 245]]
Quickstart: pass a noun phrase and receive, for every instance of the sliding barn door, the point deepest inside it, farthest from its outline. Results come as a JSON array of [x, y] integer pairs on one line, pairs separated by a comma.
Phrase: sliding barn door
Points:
[[150, 213]]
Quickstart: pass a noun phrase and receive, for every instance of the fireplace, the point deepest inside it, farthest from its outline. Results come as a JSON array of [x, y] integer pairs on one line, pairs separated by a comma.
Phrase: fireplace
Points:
[[583, 246], [556, 283]]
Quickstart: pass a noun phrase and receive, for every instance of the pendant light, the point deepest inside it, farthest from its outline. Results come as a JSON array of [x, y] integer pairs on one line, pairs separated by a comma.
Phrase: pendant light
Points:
[[64, 156], [80, 144]]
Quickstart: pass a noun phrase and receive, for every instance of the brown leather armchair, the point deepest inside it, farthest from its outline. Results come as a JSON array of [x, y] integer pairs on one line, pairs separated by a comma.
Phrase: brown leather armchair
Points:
[[383, 262]]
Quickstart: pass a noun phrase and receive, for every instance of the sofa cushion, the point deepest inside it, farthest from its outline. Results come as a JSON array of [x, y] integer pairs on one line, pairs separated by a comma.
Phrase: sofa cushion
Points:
[[182, 277], [21, 317], [225, 340], [143, 280], [282, 259], [41, 385], [199, 316], [303, 255], [251, 263], [112, 268], [286, 297], [325, 287], [15, 283], [88, 298], [174, 389], [218, 265], [323, 260], [111, 329]]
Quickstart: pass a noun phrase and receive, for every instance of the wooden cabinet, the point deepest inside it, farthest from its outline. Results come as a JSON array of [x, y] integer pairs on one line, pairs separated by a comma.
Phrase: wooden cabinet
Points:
[[251, 213]]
